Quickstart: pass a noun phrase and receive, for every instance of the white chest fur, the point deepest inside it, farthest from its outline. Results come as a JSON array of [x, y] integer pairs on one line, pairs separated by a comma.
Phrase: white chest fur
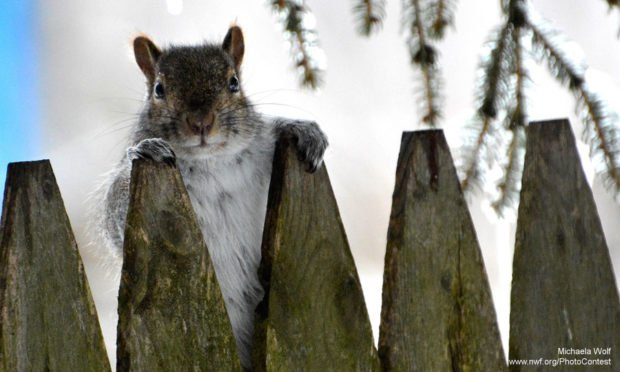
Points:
[[229, 197]]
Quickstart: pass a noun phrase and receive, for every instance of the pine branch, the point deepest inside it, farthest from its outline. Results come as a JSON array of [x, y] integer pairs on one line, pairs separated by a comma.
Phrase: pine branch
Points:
[[492, 94], [604, 138], [503, 91], [371, 14], [561, 67], [424, 55], [302, 38], [510, 185], [516, 12], [504, 77], [516, 117], [496, 81], [519, 115], [473, 165], [441, 12]]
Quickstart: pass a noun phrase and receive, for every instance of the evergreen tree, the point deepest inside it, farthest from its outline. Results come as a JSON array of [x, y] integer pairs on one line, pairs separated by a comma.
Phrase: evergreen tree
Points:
[[497, 132]]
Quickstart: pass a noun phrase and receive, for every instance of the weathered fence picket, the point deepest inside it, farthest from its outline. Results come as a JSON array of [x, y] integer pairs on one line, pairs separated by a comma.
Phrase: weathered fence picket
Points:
[[437, 312], [48, 320], [313, 317], [172, 315], [564, 292]]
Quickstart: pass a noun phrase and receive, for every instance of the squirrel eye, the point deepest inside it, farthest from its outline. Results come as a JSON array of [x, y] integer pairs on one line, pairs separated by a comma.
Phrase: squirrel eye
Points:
[[158, 90], [233, 84]]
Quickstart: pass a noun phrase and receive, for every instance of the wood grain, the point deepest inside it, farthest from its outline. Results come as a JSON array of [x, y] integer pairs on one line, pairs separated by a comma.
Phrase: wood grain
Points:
[[314, 317], [437, 312], [564, 293], [172, 315], [48, 320]]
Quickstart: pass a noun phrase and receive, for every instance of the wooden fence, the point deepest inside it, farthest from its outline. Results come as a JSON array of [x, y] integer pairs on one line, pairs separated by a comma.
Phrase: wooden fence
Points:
[[437, 312]]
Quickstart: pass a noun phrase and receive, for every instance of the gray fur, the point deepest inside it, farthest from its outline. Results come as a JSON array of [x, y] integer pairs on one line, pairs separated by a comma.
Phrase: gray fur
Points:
[[310, 140], [227, 177]]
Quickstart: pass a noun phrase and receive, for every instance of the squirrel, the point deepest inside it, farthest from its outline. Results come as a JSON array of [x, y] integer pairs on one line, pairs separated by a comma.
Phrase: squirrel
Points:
[[197, 117]]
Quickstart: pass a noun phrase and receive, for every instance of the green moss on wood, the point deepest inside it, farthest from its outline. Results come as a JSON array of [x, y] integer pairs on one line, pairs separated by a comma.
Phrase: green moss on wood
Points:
[[314, 317], [48, 320], [172, 315]]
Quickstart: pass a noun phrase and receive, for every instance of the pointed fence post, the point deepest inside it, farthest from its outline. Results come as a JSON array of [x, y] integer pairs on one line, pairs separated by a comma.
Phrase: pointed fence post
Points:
[[314, 317], [564, 293], [48, 320], [172, 315], [437, 312]]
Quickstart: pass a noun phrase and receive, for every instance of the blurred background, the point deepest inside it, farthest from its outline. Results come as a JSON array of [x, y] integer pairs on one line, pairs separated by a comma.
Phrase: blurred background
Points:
[[70, 91]]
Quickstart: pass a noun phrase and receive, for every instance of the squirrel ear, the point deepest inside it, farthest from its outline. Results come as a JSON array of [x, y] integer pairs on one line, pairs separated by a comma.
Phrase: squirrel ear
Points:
[[233, 45], [147, 54]]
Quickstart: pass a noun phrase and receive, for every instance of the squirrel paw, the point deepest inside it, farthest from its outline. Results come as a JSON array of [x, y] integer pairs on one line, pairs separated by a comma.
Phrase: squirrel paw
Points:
[[310, 141], [155, 149]]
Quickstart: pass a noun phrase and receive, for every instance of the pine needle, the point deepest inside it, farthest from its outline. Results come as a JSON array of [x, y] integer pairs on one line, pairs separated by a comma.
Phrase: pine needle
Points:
[[518, 116], [604, 140], [561, 67], [604, 137], [492, 94], [370, 15], [510, 185], [425, 56], [473, 165], [496, 73], [441, 14], [303, 40]]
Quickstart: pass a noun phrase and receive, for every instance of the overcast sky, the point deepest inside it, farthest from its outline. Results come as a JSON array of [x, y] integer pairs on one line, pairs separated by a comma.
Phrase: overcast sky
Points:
[[91, 90]]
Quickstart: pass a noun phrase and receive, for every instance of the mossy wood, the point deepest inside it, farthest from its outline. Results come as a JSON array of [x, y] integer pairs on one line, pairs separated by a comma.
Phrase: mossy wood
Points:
[[172, 315], [437, 312], [48, 320], [564, 293], [314, 317]]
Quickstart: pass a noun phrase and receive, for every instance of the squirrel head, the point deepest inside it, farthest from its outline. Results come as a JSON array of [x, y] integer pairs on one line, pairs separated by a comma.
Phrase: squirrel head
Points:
[[195, 100]]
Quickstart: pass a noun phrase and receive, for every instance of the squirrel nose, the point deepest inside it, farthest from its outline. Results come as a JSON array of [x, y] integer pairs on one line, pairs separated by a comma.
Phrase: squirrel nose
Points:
[[200, 124]]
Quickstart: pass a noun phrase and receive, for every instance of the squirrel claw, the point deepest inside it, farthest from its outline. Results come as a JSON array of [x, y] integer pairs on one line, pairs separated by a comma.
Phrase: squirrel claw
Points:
[[312, 165], [154, 149], [309, 140], [310, 152]]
